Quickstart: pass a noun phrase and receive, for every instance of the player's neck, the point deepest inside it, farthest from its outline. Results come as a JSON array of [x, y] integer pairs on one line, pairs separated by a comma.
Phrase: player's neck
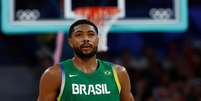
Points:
[[86, 65]]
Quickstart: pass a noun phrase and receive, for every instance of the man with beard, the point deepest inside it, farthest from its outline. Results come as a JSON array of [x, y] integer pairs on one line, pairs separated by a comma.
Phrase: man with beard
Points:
[[84, 77]]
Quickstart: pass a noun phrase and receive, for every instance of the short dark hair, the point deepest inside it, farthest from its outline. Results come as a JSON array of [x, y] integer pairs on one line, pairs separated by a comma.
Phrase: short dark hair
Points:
[[79, 22]]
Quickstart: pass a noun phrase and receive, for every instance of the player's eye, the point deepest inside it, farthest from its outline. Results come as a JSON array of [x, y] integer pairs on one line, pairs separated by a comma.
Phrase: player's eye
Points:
[[77, 34], [91, 33]]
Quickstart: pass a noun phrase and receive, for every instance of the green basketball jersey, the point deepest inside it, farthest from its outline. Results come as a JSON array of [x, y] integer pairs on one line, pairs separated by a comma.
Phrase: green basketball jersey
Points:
[[100, 85]]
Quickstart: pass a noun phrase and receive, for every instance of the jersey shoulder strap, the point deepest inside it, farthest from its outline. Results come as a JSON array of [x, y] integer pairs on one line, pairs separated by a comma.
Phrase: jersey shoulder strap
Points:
[[63, 64], [114, 70]]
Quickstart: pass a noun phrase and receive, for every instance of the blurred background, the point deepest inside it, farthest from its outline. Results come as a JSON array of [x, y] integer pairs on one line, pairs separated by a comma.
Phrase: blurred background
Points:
[[163, 66]]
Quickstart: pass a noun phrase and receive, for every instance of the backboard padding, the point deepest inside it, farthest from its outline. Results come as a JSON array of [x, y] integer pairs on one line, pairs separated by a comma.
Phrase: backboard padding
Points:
[[138, 21]]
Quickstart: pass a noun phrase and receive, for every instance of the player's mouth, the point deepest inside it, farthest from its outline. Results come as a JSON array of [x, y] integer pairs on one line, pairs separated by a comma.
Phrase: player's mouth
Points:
[[86, 46]]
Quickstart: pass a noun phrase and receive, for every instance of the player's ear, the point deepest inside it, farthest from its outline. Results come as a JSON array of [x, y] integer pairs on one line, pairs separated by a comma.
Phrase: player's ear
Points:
[[70, 42], [98, 38]]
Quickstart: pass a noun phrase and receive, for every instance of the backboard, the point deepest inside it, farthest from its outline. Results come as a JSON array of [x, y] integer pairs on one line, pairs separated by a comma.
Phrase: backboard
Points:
[[23, 16]]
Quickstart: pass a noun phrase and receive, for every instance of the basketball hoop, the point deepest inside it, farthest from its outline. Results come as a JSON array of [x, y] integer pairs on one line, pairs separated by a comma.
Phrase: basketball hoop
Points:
[[103, 17]]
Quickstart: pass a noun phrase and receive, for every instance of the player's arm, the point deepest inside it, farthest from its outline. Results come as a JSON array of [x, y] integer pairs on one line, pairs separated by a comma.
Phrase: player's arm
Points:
[[50, 84], [124, 80]]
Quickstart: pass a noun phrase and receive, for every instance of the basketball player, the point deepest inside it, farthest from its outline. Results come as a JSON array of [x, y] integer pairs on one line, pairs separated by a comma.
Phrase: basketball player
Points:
[[84, 77]]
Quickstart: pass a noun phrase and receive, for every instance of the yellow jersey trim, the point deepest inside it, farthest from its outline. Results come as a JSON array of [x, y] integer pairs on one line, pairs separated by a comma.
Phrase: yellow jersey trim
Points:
[[62, 85], [116, 78]]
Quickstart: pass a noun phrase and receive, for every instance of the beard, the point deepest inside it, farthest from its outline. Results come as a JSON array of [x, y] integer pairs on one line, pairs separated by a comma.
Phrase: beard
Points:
[[82, 55]]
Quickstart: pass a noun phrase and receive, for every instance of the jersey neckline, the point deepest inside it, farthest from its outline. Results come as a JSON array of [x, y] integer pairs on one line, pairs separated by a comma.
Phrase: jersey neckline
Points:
[[98, 69]]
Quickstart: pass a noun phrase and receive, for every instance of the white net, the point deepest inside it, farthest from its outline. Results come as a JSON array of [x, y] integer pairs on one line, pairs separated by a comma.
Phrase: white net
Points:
[[104, 18], [104, 30]]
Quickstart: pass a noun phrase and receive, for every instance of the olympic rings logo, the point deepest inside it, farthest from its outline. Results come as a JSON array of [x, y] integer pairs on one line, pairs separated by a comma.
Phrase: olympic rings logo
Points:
[[27, 15], [161, 14]]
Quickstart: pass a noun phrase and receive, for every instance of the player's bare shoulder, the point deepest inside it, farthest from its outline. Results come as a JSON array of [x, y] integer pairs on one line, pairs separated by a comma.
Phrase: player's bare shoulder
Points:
[[121, 70], [50, 83], [122, 74], [124, 79], [52, 72], [51, 77]]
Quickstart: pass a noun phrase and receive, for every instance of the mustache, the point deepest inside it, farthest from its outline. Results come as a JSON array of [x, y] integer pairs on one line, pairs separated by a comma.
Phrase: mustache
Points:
[[86, 45]]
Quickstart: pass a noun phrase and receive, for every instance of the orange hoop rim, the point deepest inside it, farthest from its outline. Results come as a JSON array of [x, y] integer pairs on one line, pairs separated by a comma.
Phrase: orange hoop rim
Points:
[[111, 9], [97, 14]]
